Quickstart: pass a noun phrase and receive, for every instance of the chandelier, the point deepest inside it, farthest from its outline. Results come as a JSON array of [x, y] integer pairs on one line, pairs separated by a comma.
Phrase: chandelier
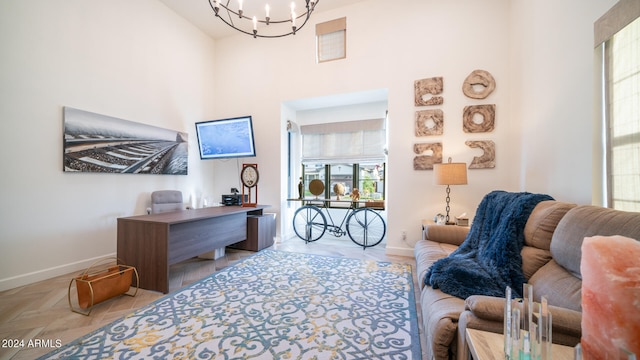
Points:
[[258, 25]]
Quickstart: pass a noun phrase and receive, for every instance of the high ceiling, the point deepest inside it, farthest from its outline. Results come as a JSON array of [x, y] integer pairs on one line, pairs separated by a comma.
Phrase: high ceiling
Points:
[[199, 12]]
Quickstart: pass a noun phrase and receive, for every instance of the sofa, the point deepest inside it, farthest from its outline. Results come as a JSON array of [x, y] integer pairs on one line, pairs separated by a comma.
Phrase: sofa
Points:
[[551, 256]]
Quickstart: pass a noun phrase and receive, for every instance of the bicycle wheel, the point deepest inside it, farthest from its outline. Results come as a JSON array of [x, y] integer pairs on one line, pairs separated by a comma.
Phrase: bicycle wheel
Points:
[[366, 227], [309, 223]]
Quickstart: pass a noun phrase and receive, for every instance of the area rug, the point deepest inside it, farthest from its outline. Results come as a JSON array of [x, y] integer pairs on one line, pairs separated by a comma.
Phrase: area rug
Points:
[[272, 305]]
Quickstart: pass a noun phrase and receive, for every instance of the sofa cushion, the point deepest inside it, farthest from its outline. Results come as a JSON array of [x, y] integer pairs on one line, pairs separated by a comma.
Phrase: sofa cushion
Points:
[[586, 221], [559, 286], [543, 222], [533, 259]]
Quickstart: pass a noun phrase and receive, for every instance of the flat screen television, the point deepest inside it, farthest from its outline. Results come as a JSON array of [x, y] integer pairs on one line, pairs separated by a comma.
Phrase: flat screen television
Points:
[[226, 138]]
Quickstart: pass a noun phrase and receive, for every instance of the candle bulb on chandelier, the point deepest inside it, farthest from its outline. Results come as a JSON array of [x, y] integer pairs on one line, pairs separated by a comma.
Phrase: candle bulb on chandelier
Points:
[[255, 27], [293, 22], [248, 22]]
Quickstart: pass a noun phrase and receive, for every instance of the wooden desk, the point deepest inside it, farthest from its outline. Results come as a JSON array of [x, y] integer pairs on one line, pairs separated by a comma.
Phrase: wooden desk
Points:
[[488, 345], [153, 242]]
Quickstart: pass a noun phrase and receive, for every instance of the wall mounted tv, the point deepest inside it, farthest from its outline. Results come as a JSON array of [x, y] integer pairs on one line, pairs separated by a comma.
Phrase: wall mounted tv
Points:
[[226, 138]]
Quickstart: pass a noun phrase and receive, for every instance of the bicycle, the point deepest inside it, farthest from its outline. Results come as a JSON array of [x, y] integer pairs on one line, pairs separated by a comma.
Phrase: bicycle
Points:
[[364, 226]]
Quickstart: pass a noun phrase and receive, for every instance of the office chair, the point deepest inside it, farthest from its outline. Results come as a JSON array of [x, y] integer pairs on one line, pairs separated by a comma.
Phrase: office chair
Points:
[[165, 201]]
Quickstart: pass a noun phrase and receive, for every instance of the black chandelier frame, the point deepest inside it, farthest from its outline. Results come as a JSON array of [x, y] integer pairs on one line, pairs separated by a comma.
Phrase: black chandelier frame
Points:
[[219, 6]]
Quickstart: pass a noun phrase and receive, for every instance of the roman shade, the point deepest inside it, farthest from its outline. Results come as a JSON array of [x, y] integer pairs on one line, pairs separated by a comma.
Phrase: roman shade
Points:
[[348, 141]]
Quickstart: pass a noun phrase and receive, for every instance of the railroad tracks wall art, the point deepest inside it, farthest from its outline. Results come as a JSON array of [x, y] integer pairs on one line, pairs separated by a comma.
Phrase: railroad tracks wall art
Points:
[[100, 143]]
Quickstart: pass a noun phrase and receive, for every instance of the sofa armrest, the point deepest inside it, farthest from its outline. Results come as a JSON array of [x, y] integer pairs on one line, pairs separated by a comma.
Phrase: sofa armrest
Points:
[[440, 312], [448, 234], [565, 321], [486, 313], [491, 308], [485, 307]]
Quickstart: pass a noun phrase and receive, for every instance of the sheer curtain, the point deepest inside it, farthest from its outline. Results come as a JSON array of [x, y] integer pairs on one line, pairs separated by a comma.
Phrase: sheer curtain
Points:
[[623, 83], [618, 34]]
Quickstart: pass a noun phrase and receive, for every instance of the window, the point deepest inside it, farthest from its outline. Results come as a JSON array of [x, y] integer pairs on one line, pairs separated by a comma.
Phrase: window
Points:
[[368, 178], [331, 40], [351, 153], [623, 84], [621, 109]]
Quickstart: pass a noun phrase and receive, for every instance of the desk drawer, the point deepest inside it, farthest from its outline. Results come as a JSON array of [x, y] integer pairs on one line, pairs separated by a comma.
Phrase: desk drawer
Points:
[[190, 239]]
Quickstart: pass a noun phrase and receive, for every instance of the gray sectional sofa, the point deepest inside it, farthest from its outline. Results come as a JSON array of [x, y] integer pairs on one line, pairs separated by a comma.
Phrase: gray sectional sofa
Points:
[[551, 263]]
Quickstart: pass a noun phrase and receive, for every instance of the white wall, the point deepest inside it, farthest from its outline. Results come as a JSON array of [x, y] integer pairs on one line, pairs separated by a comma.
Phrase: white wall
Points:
[[388, 47], [140, 61], [135, 60], [552, 73], [540, 54]]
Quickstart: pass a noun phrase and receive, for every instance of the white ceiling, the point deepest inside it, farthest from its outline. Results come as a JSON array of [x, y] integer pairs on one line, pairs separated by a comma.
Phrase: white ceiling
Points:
[[200, 13]]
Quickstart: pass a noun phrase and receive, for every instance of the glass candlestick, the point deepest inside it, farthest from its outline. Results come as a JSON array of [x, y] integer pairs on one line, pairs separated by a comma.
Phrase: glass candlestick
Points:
[[506, 329]]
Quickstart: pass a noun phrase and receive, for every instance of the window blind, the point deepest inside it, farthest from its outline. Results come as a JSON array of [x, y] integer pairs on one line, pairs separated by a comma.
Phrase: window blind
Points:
[[620, 15], [331, 40], [349, 141]]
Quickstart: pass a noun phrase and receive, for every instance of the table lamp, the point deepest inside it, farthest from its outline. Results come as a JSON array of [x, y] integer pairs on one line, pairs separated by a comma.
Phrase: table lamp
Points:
[[450, 174]]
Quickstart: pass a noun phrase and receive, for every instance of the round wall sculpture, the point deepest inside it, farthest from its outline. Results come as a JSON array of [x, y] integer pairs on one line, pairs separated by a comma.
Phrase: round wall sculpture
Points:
[[429, 122], [486, 112], [479, 84]]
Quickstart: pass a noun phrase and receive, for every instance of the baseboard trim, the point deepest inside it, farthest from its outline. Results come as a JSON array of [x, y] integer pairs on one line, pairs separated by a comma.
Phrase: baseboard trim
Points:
[[45, 274], [399, 251]]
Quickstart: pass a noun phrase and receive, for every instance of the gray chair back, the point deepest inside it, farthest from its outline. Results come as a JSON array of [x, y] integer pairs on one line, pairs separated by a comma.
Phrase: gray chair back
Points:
[[165, 201]]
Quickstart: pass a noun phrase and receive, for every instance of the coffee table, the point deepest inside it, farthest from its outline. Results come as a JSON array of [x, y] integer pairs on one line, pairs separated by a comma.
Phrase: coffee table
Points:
[[487, 345]]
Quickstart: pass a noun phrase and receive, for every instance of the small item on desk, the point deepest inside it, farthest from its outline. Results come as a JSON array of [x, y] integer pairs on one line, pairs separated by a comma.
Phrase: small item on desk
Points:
[[300, 189], [439, 219], [462, 220], [355, 194]]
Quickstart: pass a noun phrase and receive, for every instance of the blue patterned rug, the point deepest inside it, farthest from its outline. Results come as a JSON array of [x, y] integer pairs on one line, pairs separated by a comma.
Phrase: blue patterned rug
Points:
[[272, 305]]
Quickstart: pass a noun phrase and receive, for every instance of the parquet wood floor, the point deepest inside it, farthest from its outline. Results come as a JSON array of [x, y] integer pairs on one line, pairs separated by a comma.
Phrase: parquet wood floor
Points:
[[40, 312]]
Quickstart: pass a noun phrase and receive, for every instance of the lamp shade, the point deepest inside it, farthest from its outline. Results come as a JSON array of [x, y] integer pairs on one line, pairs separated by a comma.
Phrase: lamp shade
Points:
[[450, 173]]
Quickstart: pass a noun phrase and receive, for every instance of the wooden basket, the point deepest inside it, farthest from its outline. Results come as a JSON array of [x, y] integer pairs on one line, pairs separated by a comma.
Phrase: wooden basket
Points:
[[95, 286], [375, 204]]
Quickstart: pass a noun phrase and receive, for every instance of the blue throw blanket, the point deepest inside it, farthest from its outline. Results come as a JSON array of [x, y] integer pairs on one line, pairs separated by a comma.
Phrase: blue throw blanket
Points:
[[489, 259]]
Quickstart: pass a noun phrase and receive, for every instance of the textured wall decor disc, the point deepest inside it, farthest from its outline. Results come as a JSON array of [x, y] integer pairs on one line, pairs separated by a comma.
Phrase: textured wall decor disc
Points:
[[479, 84], [316, 187]]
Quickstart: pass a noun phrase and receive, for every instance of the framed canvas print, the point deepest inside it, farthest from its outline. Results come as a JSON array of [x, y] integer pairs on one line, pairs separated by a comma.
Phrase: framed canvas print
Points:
[[104, 144]]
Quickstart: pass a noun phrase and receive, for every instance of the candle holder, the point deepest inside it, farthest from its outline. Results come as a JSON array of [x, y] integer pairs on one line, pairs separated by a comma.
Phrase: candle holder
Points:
[[527, 327]]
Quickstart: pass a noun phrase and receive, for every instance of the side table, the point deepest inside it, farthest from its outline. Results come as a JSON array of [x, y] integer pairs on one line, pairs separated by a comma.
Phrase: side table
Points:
[[487, 345]]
